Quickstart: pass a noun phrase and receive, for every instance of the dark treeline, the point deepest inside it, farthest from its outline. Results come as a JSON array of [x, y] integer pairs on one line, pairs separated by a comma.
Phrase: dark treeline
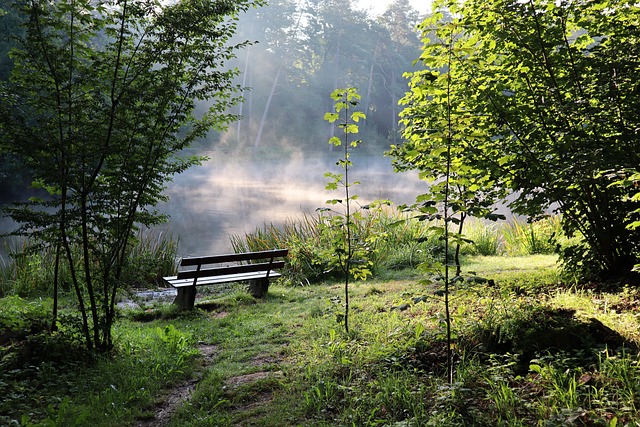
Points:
[[308, 48], [305, 49]]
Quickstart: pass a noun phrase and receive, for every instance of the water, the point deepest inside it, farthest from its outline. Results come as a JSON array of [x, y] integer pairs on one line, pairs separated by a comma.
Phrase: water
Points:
[[231, 196], [148, 296]]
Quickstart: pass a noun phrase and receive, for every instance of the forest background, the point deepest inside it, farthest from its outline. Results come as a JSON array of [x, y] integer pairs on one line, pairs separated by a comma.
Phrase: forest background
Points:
[[305, 50]]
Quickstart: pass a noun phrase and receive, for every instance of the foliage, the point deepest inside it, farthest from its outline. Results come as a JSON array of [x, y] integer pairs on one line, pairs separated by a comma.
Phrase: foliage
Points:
[[19, 315], [403, 243], [108, 91], [348, 250], [31, 273], [629, 179], [10, 29], [543, 96], [75, 387], [301, 237], [437, 134]]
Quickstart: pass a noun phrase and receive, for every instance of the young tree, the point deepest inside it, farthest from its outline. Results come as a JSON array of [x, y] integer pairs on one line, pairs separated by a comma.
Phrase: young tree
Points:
[[100, 103], [436, 130], [550, 92], [348, 250]]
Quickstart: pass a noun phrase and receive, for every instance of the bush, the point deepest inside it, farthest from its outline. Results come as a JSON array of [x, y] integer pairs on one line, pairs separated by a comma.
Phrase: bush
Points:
[[395, 240], [32, 269]]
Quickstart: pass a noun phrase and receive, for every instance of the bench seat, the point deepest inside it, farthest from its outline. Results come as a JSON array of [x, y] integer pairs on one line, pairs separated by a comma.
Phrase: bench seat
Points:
[[214, 280], [256, 268]]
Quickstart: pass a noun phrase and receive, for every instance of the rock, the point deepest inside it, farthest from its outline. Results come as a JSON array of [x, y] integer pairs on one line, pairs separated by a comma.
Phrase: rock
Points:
[[401, 307]]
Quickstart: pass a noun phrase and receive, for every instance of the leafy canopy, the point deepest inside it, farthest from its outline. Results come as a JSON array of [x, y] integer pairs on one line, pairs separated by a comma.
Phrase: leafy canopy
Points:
[[103, 98], [544, 97]]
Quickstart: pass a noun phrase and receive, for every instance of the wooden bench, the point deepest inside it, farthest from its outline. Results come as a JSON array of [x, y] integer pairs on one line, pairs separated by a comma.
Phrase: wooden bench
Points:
[[255, 267]]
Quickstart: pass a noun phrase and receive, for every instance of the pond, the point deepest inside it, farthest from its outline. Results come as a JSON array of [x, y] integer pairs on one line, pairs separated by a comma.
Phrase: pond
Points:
[[231, 195]]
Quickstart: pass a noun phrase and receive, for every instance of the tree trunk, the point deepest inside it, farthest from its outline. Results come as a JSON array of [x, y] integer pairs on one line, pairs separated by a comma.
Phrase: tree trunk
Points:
[[266, 107], [244, 85], [367, 101]]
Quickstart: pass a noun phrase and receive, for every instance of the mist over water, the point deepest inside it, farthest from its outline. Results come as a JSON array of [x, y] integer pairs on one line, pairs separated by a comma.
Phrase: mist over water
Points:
[[232, 195]]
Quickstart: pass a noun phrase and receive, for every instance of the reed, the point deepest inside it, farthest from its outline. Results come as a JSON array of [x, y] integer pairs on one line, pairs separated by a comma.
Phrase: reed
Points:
[[30, 269], [396, 241], [525, 238], [153, 255], [486, 237]]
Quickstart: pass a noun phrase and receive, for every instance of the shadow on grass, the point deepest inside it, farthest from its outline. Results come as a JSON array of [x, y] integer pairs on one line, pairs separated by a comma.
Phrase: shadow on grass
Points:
[[531, 331]]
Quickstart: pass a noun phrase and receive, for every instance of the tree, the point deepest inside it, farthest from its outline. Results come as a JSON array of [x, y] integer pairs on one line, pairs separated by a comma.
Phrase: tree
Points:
[[101, 101], [9, 29], [435, 131], [349, 251], [397, 46], [550, 96], [306, 50]]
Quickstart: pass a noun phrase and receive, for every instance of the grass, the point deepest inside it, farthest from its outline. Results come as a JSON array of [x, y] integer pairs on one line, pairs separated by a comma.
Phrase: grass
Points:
[[29, 269], [285, 360]]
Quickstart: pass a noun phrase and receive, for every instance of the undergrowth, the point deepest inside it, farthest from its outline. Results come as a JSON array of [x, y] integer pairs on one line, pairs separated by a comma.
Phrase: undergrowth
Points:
[[527, 351]]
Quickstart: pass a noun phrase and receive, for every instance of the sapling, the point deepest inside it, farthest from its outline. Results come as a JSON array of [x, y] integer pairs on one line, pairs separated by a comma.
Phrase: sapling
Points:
[[348, 250]]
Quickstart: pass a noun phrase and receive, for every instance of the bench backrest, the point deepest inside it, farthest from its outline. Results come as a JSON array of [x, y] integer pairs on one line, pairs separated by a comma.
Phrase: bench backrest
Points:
[[246, 256], [272, 264]]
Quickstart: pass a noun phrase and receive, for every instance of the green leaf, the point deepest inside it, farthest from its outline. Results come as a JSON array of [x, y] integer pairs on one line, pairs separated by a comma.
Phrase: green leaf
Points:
[[357, 116], [331, 117], [335, 141]]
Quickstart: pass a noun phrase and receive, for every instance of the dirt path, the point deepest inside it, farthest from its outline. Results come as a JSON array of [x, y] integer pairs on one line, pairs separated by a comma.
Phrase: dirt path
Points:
[[177, 396], [173, 399]]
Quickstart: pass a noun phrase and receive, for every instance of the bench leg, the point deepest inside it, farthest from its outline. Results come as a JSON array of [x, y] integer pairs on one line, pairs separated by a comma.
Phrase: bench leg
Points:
[[186, 298], [258, 288]]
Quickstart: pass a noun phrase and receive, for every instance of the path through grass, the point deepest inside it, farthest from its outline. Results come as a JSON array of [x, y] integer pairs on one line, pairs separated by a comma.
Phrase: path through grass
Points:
[[285, 360]]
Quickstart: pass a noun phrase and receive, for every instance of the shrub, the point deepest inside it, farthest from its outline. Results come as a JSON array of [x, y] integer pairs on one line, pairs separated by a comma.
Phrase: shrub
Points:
[[400, 242]]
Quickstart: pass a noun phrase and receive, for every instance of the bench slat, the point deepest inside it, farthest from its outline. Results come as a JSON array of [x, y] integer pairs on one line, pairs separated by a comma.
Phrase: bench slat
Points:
[[247, 256], [234, 269], [180, 283]]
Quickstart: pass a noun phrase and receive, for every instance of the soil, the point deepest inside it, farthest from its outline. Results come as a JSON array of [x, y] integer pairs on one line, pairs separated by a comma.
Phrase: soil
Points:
[[169, 403]]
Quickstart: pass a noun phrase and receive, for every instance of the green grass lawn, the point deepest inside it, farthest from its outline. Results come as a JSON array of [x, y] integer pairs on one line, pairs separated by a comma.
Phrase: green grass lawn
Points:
[[526, 352]]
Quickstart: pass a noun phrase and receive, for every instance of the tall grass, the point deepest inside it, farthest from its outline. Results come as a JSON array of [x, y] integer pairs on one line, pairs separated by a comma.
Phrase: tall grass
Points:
[[524, 238], [400, 242], [485, 236], [302, 237], [514, 237], [153, 255], [30, 269]]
